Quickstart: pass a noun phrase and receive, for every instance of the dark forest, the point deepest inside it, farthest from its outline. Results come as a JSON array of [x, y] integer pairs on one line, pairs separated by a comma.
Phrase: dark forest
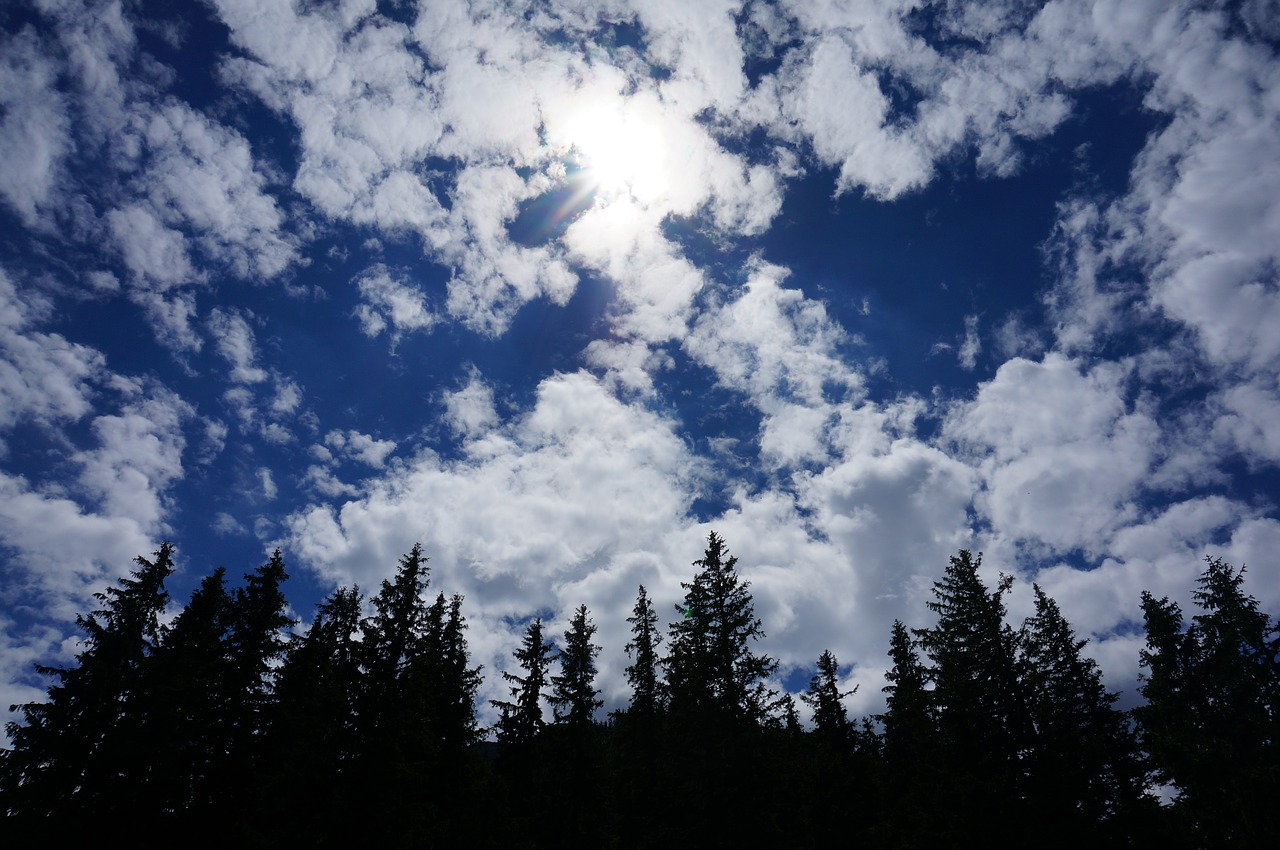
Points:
[[233, 723]]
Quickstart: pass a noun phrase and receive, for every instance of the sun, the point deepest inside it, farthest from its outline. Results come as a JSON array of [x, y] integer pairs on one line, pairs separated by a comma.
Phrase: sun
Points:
[[621, 150]]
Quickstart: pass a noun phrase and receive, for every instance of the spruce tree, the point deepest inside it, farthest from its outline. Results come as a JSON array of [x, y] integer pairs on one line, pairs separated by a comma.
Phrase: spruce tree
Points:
[[522, 721], [394, 634], [72, 754], [711, 668], [825, 698], [313, 738], [189, 721], [642, 649], [1212, 718], [573, 692], [984, 728], [908, 719], [1085, 774]]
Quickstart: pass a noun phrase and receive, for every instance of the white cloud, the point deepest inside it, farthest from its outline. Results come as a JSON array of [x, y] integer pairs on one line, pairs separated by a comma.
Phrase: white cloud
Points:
[[34, 125], [361, 447], [233, 337], [139, 455], [470, 410], [391, 302], [43, 376], [1062, 455], [267, 483]]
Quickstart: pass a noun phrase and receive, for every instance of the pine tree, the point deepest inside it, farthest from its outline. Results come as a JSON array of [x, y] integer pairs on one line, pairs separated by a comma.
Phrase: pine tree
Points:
[[983, 724], [825, 698], [313, 734], [1212, 718], [256, 642], [394, 634], [188, 723], [521, 721], [642, 649], [459, 682], [977, 697], [573, 692], [1084, 770], [908, 719], [71, 754], [711, 668]]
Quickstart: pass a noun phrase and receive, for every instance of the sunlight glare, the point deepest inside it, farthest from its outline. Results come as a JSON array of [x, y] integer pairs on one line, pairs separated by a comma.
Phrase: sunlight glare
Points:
[[622, 153]]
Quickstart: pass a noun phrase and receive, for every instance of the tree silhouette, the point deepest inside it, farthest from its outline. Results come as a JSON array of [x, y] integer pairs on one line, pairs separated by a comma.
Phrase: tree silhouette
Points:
[[1084, 770], [825, 698], [642, 649], [573, 692], [1212, 718], [522, 720], [980, 708], [711, 668], [69, 759]]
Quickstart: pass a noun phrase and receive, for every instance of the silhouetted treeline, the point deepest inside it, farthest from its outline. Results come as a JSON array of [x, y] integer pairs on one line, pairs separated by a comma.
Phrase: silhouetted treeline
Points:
[[230, 724]]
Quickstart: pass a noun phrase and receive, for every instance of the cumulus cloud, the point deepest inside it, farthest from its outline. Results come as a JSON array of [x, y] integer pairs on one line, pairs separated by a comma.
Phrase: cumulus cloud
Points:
[[233, 337], [43, 376], [391, 302], [1063, 454], [34, 125]]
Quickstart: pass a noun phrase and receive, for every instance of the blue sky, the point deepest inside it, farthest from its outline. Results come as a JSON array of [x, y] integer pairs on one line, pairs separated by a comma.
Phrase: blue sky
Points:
[[556, 288]]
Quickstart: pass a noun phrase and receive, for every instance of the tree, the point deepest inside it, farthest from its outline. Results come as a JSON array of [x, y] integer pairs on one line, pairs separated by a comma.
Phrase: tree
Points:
[[452, 682], [521, 721], [1212, 718], [70, 754], [642, 649], [313, 737], [982, 721], [979, 704], [825, 698], [188, 719], [394, 634], [711, 669], [573, 692], [908, 719], [1084, 772]]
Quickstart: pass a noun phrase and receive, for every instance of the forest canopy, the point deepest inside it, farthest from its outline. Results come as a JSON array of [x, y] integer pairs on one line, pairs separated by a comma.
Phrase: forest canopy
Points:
[[235, 719]]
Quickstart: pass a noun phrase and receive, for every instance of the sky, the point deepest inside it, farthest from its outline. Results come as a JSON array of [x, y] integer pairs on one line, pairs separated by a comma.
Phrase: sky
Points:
[[556, 288]]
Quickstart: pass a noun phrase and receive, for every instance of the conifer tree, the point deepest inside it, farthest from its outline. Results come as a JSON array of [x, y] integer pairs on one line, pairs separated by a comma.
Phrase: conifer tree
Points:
[[461, 681], [256, 643], [521, 721], [188, 722], [908, 718], [642, 649], [314, 733], [1084, 767], [393, 635], [824, 697], [983, 725], [711, 667], [1212, 718], [979, 703], [71, 753], [573, 692]]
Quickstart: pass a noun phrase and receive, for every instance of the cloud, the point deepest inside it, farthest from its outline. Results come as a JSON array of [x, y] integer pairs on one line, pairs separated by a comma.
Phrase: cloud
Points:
[[1062, 453], [391, 302], [361, 447], [34, 125], [42, 376], [234, 340], [470, 410]]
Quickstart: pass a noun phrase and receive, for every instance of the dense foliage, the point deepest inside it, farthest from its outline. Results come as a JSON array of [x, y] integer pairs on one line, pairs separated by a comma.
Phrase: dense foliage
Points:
[[361, 728]]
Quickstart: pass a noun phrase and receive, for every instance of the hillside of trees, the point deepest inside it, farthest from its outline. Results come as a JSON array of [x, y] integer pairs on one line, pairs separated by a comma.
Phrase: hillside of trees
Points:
[[232, 723]]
